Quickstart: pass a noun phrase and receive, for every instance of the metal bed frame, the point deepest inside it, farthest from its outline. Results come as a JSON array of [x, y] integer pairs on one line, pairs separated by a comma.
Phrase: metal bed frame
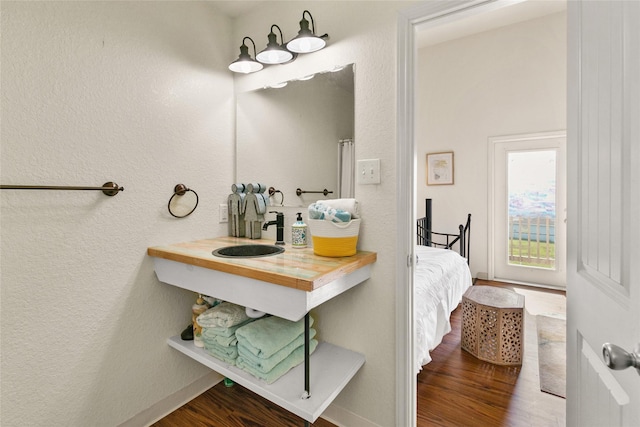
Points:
[[427, 237]]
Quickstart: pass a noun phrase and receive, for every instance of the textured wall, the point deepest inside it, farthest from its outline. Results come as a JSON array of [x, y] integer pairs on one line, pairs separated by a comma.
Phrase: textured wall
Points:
[[362, 319], [507, 81], [137, 93]]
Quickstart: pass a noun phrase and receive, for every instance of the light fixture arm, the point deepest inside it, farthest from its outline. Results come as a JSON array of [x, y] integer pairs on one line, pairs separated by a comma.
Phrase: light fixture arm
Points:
[[279, 30], [313, 25], [254, 45]]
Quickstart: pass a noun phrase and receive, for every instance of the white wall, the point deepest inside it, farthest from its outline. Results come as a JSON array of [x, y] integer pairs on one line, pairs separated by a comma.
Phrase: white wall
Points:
[[134, 92], [362, 319], [139, 93], [507, 81]]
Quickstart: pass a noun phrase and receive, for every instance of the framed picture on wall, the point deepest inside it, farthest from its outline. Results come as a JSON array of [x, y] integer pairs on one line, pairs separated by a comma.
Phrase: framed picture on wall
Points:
[[440, 168]]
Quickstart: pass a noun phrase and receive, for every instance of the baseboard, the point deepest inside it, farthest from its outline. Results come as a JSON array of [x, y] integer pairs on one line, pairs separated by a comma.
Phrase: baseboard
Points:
[[171, 403], [346, 418]]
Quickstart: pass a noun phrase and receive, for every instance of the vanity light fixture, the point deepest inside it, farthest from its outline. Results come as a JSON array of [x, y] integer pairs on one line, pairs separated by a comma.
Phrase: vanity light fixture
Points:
[[306, 41], [245, 63], [275, 53], [309, 77]]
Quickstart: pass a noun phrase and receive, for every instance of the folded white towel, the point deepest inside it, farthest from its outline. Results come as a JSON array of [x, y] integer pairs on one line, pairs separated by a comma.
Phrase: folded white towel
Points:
[[224, 315], [320, 211], [349, 205]]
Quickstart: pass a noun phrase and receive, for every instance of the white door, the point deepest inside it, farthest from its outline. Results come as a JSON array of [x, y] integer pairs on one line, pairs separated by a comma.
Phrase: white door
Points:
[[603, 271], [527, 209]]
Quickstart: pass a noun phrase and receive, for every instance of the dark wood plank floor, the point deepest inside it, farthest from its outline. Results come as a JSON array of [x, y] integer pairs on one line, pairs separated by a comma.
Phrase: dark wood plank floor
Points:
[[455, 389], [234, 406]]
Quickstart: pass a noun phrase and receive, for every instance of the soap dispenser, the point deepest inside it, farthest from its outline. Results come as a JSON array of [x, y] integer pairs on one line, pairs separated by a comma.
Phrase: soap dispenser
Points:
[[299, 233]]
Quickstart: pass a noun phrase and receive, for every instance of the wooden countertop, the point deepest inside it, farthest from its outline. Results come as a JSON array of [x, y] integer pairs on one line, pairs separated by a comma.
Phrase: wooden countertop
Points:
[[294, 268]]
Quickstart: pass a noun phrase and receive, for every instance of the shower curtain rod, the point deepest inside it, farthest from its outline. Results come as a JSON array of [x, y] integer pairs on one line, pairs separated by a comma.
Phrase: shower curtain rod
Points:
[[108, 188]]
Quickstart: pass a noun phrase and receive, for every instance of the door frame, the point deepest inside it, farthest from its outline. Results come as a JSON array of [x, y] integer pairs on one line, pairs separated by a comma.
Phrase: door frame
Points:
[[491, 243]]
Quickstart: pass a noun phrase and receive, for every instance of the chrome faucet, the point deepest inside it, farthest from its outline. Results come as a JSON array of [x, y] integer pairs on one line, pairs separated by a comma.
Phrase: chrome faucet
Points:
[[279, 223]]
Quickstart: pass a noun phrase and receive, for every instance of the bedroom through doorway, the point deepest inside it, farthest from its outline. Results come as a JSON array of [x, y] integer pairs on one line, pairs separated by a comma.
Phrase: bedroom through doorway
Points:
[[463, 79]]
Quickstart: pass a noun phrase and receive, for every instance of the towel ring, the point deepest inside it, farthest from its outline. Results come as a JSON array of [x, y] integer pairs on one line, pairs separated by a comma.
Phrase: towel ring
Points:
[[181, 190], [273, 191]]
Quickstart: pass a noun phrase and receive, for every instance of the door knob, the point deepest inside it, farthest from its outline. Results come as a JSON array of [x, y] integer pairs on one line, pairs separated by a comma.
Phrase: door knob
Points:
[[617, 358]]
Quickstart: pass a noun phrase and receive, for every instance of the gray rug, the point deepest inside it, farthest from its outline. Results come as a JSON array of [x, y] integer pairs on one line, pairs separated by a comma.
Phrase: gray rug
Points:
[[552, 354]]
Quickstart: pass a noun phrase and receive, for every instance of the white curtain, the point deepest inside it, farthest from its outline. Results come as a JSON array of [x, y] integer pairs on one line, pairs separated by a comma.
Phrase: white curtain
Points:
[[346, 167]]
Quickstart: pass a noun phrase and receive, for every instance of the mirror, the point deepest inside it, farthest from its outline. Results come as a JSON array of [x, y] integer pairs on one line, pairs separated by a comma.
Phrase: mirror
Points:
[[288, 138]]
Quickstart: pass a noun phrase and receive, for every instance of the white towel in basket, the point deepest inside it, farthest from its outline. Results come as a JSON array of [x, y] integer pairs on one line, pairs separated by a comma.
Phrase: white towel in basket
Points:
[[349, 205], [325, 212]]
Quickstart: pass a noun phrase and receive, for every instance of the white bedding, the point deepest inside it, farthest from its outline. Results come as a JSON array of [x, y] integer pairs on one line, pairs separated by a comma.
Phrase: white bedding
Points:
[[442, 277]]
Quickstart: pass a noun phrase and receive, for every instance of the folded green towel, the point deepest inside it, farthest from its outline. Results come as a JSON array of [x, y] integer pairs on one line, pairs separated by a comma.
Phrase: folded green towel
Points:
[[224, 353], [227, 332], [266, 365], [293, 360], [208, 336], [225, 315], [221, 341], [268, 335], [226, 359]]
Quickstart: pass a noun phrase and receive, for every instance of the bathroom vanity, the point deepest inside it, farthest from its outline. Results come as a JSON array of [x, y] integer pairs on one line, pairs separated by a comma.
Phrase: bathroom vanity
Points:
[[286, 285]]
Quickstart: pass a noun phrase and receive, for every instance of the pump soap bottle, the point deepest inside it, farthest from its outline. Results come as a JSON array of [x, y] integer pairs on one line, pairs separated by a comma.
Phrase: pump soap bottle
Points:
[[299, 233]]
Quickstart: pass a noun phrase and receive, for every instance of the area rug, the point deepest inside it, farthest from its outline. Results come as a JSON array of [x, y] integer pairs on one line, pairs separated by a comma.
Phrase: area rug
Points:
[[552, 354]]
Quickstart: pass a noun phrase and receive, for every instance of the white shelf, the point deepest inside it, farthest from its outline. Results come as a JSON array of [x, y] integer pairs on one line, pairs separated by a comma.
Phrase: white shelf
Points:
[[331, 368]]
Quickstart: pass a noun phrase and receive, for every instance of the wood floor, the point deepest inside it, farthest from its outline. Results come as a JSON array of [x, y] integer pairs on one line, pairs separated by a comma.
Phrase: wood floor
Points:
[[455, 389], [234, 406]]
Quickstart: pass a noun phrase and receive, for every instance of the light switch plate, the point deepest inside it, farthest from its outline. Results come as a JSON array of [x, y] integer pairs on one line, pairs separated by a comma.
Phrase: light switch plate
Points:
[[368, 171], [223, 213]]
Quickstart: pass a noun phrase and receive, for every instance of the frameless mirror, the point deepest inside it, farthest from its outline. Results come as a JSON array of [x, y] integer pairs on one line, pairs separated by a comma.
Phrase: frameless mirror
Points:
[[290, 138]]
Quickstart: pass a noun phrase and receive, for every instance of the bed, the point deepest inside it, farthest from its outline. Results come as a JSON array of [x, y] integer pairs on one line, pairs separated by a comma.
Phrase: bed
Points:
[[442, 276]]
